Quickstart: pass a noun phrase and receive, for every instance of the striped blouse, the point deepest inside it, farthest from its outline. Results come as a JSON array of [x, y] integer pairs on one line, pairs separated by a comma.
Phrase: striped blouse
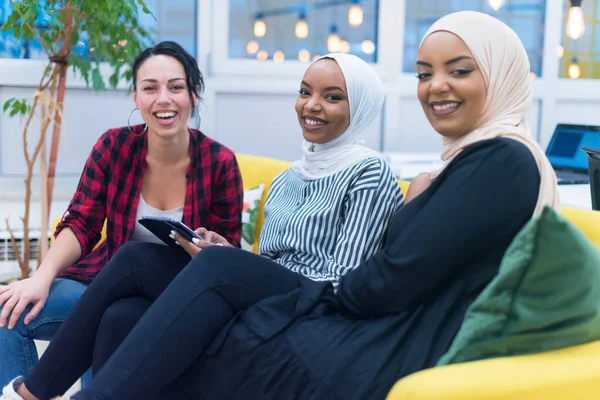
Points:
[[326, 227]]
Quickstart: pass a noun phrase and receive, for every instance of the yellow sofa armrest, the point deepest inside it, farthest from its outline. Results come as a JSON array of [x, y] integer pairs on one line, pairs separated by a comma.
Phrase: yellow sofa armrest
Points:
[[587, 221], [571, 373], [57, 221]]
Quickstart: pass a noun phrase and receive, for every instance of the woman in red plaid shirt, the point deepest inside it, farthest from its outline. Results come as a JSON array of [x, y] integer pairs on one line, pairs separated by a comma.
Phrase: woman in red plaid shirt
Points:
[[159, 168]]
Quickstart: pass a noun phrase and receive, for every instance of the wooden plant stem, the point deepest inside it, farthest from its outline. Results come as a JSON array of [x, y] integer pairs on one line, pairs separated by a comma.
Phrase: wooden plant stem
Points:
[[13, 241], [61, 65]]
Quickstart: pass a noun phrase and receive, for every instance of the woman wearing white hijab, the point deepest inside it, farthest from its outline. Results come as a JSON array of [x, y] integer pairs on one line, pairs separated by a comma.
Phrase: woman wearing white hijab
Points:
[[324, 216], [399, 310]]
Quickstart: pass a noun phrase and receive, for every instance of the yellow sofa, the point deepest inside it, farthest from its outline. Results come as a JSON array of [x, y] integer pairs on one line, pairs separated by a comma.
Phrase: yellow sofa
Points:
[[566, 374]]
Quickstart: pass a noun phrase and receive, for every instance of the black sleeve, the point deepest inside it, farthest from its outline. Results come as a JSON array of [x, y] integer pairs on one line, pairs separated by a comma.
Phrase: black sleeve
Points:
[[484, 197]]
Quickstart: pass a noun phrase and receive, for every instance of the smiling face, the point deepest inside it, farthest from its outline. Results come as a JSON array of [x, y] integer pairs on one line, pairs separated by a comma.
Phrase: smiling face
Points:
[[451, 88], [162, 96], [322, 105]]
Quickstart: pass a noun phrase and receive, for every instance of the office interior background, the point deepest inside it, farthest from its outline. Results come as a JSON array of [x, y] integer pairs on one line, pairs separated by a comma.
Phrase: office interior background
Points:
[[253, 54]]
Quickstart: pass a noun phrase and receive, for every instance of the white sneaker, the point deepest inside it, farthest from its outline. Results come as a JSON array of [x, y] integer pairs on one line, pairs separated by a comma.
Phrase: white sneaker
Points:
[[10, 391]]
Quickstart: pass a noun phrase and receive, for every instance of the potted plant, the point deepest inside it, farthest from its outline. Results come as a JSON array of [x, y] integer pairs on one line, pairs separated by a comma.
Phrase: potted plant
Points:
[[89, 36]]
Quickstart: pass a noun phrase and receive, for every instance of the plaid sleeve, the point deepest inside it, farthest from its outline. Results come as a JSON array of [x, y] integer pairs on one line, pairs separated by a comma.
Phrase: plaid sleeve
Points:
[[86, 212], [226, 208]]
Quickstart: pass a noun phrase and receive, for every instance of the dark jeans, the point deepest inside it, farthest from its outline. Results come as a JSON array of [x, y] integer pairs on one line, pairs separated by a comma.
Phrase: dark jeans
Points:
[[192, 302], [118, 320]]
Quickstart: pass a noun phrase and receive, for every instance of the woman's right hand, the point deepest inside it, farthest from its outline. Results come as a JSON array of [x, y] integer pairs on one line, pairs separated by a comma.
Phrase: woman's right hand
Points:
[[210, 239], [17, 296]]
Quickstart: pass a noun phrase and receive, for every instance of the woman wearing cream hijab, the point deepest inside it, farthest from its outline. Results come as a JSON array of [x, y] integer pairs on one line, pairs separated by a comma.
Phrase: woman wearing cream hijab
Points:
[[500, 110], [399, 310]]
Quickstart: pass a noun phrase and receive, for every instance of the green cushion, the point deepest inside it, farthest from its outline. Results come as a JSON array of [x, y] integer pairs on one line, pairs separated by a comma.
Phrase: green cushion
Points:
[[546, 296]]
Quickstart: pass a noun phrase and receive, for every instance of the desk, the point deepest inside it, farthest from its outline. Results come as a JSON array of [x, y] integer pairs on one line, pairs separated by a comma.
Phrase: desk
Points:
[[408, 165], [575, 196]]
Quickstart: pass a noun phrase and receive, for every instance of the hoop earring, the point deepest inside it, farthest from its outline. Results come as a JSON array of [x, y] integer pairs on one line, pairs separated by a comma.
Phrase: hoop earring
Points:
[[129, 124], [199, 118]]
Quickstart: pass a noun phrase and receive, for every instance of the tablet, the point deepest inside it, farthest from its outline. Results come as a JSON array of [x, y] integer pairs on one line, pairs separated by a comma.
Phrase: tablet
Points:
[[161, 227]]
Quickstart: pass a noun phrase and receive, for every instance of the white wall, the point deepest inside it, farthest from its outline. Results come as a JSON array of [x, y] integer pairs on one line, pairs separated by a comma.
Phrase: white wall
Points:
[[249, 105]]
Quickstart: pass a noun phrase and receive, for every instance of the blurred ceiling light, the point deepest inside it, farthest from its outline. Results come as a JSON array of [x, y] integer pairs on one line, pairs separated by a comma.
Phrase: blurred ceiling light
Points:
[[344, 46], [333, 41], [252, 47], [262, 55], [496, 4], [304, 55], [367, 47], [574, 71], [355, 14], [301, 27], [260, 28], [575, 21], [278, 56]]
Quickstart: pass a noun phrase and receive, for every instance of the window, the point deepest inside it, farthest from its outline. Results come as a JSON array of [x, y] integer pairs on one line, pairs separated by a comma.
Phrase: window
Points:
[[525, 17], [173, 20], [580, 58], [282, 30], [11, 47]]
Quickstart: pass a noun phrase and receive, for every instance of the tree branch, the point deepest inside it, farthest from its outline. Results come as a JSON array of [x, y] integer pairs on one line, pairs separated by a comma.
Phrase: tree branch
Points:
[[39, 38], [13, 241]]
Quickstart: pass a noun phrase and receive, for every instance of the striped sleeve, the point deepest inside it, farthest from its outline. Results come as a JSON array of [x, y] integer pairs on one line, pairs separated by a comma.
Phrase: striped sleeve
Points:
[[373, 200]]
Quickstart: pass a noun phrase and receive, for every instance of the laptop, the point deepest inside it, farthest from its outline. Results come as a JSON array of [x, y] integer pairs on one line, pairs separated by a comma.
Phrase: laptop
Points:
[[566, 154]]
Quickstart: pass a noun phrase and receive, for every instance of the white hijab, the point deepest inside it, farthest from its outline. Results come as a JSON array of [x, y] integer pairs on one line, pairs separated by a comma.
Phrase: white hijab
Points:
[[365, 97], [503, 62]]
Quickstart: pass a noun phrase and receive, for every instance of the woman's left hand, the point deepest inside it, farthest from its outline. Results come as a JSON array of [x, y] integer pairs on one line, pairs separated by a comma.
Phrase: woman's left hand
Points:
[[417, 186]]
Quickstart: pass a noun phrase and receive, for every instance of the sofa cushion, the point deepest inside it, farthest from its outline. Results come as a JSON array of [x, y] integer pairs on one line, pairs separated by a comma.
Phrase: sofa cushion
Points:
[[252, 200], [546, 296]]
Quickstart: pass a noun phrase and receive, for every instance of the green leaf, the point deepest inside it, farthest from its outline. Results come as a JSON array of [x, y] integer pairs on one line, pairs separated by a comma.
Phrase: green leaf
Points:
[[46, 41], [18, 107], [145, 8], [27, 16], [17, 31], [28, 33], [97, 81], [74, 37], [11, 21], [55, 21], [113, 80], [248, 233], [8, 103]]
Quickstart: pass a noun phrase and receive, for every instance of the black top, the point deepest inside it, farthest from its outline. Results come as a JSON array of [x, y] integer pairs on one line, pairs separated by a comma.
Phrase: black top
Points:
[[465, 219], [398, 312]]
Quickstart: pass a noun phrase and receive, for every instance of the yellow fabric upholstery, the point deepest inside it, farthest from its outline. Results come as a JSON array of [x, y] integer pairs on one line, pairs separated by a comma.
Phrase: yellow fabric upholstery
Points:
[[256, 170], [57, 220], [587, 221], [572, 373]]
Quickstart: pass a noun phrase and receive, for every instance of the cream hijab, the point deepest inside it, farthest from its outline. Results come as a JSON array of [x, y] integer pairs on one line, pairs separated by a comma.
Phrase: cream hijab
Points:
[[365, 97], [503, 62]]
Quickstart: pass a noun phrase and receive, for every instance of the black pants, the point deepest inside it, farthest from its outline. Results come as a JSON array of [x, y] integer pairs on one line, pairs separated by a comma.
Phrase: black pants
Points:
[[192, 302], [117, 322]]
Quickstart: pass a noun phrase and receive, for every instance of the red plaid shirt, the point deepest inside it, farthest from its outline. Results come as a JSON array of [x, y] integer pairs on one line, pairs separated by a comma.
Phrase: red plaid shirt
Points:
[[110, 187]]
